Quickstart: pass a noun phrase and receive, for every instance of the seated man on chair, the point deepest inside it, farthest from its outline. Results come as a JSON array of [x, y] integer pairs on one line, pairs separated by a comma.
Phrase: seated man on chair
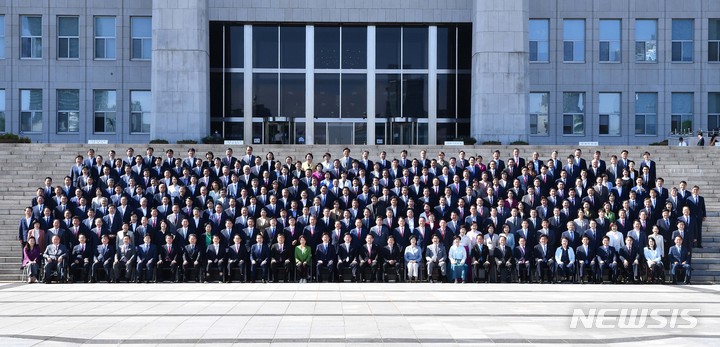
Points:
[[565, 260], [479, 255], [606, 259], [435, 256], [104, 255], [124, 260], [630, 259], [146, 258], [392, 258], [192, 260], [369, 258], [169, 259], [280, 256], [679, 258], [55, 255], [585, 256], [215, 258], [81, 256], [523, 261], [544, 261], [237, 254], [347, 257], [259, 258], [504, 260]]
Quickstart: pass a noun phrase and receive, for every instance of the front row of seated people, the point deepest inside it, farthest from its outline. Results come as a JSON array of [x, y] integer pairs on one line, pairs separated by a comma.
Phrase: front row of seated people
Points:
[[368, 262]]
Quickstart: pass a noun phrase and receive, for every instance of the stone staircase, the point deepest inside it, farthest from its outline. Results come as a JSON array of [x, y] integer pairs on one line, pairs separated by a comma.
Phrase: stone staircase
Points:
[[24, 166]]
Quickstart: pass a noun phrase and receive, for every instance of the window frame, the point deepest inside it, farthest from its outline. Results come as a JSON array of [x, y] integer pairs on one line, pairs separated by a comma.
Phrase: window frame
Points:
[[618, 41], [535, 117], [142, 40], [67, 113], [142, 114], [538, 42], [32, 113], [105, 114], [714, 112], [574, 116], [645, 115], [715, 41], [105, 39], [565, 41], [610, 116], [682, 42], [2, 40], [645, 43], [682, 117], [68, 39], [3, 116], [33, 40]]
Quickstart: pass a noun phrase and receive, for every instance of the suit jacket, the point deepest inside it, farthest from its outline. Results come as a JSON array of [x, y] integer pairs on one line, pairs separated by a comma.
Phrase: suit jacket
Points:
[[237, 253], [280, 256], [126, 255], [345, 253], [168, 256], [146, 255], [544, 256], [391, 253], [678, 256], [440, 253], [498, 254], [81, 252], [365, 255], [608, 256], [324, 254], [103, 254], [629, 255], [192, 254], [521, 256], [213, 252], [479, 253]]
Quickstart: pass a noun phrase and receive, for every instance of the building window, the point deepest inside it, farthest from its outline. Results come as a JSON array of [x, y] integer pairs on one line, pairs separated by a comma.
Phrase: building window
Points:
[[2, 110], [104, 106], [2, 41], [682, 40], [68, 38], [105, 38], [646, 113], [141, 42], [681, 120], [646, 40], [574, 40], [140, 111], [609, 114], [31, 37], [610, 40], [31, 115], [539, 40], [539, 111], [573, 113], [68, 114], [713, 111], [714, 40]]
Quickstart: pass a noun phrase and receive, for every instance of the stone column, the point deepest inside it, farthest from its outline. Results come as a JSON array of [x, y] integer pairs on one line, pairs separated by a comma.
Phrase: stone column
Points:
[[500, 81], [180, 70]]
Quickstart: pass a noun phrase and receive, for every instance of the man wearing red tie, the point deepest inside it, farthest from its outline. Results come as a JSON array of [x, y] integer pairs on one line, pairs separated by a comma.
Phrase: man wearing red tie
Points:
[[368, 259], [169, 259]]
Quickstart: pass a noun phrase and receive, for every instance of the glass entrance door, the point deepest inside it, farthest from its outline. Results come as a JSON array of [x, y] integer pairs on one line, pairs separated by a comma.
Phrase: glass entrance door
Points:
[[402, 134]]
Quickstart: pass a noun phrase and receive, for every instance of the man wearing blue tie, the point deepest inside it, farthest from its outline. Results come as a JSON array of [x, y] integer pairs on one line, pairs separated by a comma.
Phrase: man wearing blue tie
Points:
[[146, 254], [325, 255], [259, 256], [678, 257], [104, 255]]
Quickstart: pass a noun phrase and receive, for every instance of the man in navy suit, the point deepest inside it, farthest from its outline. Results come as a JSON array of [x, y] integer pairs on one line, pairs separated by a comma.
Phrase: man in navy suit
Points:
[[215, 256], [82, 255], [678, 257], [368, 256], [630, 260], [325, 256], [347, 256], [169, 258], [146, 257], [585, 256], [104, 256], [696, 203], [193, 259], [606, 259], [259, 258]]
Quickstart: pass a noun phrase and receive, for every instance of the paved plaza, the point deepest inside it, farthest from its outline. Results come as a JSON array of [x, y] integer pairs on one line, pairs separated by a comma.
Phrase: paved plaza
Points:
[[348, 314]]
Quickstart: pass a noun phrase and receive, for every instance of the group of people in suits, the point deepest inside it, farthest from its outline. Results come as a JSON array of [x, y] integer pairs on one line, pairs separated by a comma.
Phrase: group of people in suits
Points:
[[141, 217]]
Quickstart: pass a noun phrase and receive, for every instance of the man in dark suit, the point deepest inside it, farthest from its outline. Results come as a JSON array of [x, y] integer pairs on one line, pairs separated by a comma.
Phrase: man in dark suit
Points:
[[679, 257], [504, 260], [146, 257], [169, 258], [696, 203], [124, 259], [606, 259], [215, 258], [630, 259], [392, 258], [368, 257], [259, 259], [686, 234], [325, 258], [193, 259], [280, 258], [544, 261], [82, 256], [585, 256], [237, 254], [104, 255], [402, 234], [347, 256], [523, 260]]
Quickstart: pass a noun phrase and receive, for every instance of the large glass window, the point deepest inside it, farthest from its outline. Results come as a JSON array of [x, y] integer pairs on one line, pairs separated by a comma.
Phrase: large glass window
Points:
[[292, 47], [539, 111], [327, 47], [292, 95], [609, 113], [327, 95], [354, 47], [141, 33], [140, 111], [681, 120], [713, 111], [610, 40], [265, 95], [2, 41], [68, 38], [31, 37], [2, 110], [646, 113], [646, 38], [31, 110], [415, 48], [453, 80], [105, 38], [574, 40], [68, 110], [682, 40], [714, 40], [104, 106], [539, 40], [388, 51], [573, 113], [265, 46], [387, 95], [354, 95]]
